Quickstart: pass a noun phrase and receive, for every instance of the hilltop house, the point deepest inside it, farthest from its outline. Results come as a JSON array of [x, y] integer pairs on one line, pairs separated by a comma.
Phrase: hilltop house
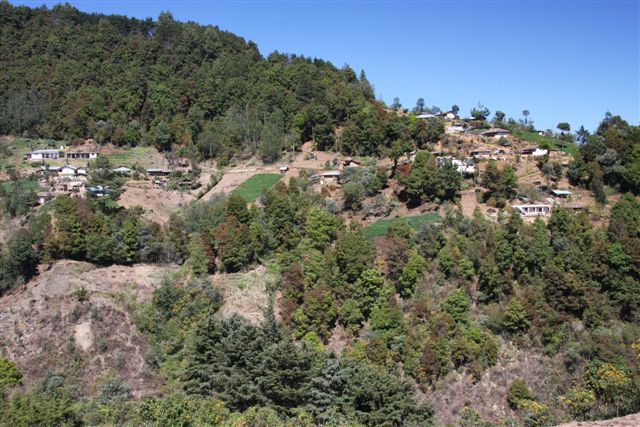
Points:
[[122, 170], [527, 151], [45, 154], [483, 154], [44, 197], [532, 210], [327, 176], [158, 172], [539, 152], [82, 154], [426, 116], [454, 129], [563, 194], [351, 163], [496, 133], [68, 170]]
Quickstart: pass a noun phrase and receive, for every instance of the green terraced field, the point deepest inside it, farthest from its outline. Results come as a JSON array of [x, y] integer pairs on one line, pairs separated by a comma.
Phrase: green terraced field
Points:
[[251, 188], [379, 228]]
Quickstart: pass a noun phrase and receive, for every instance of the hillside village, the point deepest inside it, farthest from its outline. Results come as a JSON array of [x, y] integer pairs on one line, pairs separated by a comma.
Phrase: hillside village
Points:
[[63, 170], [194, 233]]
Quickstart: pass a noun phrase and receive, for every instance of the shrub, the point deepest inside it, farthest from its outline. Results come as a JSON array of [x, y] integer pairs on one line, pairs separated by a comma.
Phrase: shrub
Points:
[[10, 375], [81, 294], [518, 393], [579, 400]]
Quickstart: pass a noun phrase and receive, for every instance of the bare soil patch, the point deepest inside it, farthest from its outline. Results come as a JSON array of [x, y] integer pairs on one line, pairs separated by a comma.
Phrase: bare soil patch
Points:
[[45, 326], [488, 394], [244, 293], [158, 203], [628, 421]]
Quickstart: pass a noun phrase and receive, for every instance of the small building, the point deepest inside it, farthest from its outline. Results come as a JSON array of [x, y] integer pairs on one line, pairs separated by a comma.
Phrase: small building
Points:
[[575, 206], [74, 185], [52, 169], [82, 153], [455, 129], [426, 116], [533, 210], [527, 151], [122, 170], [45, 154], [539, 152], [158, 172], [450, 115], [464, 167], [283, 168], [327, 176], [495, 133], [563, 194], [98, 190], [483, 154], [68, 170], [351, 163], [44, 197]]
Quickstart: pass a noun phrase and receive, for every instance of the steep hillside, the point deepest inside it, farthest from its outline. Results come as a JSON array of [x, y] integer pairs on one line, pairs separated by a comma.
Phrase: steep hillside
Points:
[[77, 320], [52, 325]]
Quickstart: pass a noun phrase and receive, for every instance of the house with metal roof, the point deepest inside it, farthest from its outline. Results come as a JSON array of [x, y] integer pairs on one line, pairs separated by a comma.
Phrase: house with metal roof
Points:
[[45, 154], [533, 210], [495, 133], [122, 170], [561, 193]]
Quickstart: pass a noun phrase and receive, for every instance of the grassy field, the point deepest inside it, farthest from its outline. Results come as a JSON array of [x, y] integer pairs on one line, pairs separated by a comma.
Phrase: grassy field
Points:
[[144, 156], [15, 150], [533, 137], [251, 188], [379, 228]]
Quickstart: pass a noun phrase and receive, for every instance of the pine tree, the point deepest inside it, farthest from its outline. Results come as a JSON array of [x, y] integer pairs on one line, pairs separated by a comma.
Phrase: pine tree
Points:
[[223, 359]]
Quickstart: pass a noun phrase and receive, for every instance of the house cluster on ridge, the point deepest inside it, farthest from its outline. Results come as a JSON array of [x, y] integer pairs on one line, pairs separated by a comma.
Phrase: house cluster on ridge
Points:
[[86, 153]]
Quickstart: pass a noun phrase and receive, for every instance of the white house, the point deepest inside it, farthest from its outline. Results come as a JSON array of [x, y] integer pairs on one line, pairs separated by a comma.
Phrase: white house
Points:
[[323, 177], [44, 197], [561, 193], [68, 170], [158, 172], [122, 170], [83, 153], [496, 133], [426, 116], [44, 154], [454, 129], [533, 210], [483, 154]]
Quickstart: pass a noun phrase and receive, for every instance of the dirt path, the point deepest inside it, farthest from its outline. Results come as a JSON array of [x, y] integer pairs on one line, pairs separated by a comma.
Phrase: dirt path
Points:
[[628, 421]]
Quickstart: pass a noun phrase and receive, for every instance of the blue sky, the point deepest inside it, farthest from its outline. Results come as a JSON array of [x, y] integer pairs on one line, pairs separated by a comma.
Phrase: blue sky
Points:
[[562, 60]]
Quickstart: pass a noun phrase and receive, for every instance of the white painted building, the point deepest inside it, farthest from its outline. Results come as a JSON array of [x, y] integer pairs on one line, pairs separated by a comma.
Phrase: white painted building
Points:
[[533, 210], [68, 170], [45, 154]]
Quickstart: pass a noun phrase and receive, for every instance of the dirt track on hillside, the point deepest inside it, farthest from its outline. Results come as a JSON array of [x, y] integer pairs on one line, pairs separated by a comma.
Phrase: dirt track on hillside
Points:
[[628, 421]]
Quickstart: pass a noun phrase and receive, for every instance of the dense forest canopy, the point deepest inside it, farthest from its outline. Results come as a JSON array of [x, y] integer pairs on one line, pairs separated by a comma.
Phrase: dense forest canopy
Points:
[[71, 74]]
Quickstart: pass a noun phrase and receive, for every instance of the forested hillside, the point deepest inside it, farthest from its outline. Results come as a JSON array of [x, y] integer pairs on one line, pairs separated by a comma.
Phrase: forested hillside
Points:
[[70, 74]]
